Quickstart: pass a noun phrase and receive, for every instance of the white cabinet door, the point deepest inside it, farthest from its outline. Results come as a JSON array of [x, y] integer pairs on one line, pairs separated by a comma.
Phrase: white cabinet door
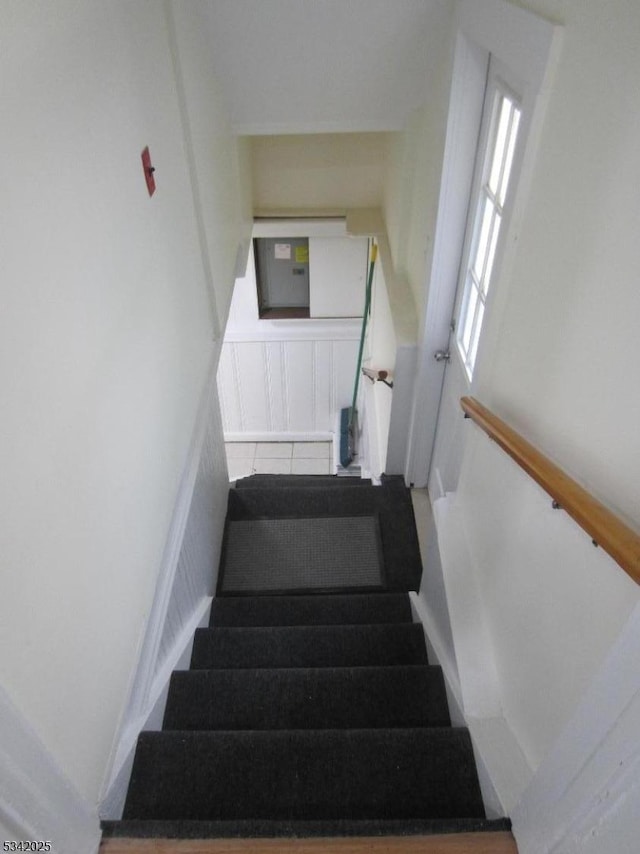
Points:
[[338, 276]]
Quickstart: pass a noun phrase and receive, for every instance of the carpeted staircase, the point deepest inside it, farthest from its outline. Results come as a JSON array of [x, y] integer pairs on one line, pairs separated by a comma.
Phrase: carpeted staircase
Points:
[[312, 714]]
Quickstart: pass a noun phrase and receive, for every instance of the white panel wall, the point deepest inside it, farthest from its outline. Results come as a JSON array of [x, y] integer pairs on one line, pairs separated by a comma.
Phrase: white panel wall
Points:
[[285, 389], [284, 378]]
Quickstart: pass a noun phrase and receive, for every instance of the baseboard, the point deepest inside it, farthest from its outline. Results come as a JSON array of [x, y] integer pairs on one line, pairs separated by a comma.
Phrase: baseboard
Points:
[[151, 717], [502, 767], [37, 800], [438, 648]]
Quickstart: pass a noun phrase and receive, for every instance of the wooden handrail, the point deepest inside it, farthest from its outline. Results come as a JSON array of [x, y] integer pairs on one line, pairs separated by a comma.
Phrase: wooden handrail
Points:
[[604, 527]]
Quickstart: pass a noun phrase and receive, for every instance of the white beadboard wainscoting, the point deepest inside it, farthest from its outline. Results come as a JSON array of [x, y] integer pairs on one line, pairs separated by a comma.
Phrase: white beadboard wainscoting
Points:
[[184, 591], [289, 386]]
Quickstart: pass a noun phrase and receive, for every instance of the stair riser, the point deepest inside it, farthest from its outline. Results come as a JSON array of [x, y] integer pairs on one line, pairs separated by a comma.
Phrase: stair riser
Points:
[[309, 646], [307, 699], [318, 610]]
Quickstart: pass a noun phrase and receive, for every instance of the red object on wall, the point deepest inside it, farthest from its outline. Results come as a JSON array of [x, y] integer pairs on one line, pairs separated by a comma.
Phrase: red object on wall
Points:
[[148, 171]]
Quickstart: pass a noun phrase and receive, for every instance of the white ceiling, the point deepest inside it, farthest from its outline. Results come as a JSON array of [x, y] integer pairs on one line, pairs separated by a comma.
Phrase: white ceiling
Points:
[[313, 66]]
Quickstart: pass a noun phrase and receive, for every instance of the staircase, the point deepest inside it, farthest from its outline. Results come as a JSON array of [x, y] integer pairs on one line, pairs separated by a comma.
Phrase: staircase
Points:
[[314, 714]]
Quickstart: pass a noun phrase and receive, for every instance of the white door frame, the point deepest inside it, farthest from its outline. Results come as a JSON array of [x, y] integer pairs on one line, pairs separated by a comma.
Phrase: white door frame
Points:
[[529, 46]]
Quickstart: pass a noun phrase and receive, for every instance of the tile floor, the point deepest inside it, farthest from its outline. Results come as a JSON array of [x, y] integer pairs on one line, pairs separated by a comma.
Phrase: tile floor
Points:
[[246, 458]]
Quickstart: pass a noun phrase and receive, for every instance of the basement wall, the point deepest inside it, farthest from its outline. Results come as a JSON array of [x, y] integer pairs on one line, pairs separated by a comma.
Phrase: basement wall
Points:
[[111, 302]]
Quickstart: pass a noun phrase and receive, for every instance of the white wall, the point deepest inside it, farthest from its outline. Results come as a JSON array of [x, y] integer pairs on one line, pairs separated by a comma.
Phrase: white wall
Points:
[[105, 336], [319, 171], [412, 176], [555, 363], [220, 170]]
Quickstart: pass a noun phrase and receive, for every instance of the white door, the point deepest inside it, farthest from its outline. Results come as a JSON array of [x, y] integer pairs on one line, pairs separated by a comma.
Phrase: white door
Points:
[[529, 47], [494, 176]]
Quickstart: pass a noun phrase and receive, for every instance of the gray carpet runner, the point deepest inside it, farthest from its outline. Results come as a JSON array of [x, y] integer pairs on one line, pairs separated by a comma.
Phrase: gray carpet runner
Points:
[[306, 715], [286, 555]]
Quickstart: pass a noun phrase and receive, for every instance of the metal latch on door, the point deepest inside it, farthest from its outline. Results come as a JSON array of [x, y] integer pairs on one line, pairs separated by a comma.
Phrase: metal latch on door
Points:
[[442, 356]]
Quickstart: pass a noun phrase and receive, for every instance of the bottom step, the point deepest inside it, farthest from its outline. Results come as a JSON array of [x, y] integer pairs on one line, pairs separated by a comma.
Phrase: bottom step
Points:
[[296, 775]]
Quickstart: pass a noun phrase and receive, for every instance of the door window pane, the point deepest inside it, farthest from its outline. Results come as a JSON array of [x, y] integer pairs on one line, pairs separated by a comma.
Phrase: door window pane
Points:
[[487, 217]]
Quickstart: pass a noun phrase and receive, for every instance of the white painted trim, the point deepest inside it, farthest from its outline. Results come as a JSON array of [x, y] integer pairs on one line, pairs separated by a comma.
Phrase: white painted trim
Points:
[[503, 770], [140, 698], [310, 329], [37, 800], [321, 436], [434, 638], [593, 767], [472, 644], [502, 766], [463, 126], [300, 227], [276, 128]]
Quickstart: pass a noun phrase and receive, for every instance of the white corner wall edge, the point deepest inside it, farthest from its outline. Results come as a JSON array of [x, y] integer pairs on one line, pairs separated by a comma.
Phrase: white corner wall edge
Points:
[[37, 800], [186, 123], [502, 767], [585, 795], [401, 404], [146, 679]]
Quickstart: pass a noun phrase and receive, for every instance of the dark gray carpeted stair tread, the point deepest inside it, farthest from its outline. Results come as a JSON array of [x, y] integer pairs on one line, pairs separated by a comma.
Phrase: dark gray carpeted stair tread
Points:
[[305, 774], [309, 646], [260, 481], [403, 567], [248, 829], [318, 609], [303, 698]]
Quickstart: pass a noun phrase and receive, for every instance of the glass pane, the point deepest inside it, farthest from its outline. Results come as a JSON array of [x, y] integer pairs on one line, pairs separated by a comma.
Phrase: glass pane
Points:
[[511, 147], [500, 144], [495, 231], [475, 340], [469, 314], [482, 245]]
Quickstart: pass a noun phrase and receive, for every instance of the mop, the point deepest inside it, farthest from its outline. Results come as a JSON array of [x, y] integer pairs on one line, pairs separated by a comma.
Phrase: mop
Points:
[[348, 415]]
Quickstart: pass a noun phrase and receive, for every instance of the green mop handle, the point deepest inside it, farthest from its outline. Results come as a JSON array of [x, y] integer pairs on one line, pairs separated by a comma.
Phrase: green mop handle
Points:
[[367, 303]]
